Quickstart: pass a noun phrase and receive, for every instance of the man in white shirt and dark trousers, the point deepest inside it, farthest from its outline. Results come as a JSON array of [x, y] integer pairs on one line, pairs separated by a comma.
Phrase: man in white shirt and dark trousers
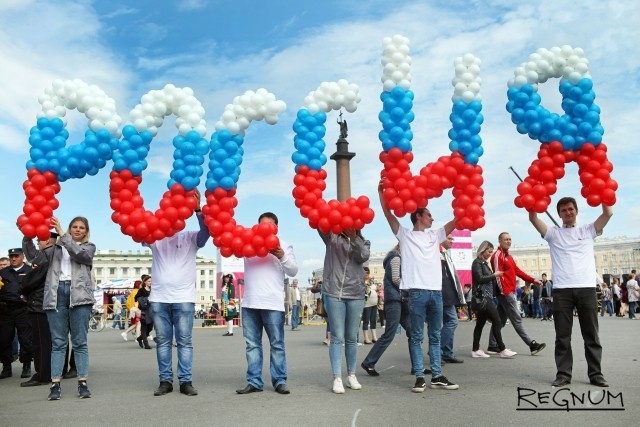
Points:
[[573, 263], [263, 308], [173, 268], [422, 278]]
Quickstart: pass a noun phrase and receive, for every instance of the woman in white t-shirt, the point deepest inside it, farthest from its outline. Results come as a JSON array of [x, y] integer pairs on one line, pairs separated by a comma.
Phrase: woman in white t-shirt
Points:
[[632, 287]]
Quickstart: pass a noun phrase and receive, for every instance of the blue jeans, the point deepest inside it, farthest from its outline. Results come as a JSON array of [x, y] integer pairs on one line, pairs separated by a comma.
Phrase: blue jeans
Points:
[[344, 316], [272, 321], [537, 309], [425, 306], [395, 316], [62, 321], [171, 319], [295, 315], [609, 305], [449, 325], [632, 309]]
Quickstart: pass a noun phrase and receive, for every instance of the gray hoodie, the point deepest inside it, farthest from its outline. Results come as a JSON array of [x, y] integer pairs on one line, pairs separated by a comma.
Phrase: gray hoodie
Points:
[[81, 255], [343, 274]]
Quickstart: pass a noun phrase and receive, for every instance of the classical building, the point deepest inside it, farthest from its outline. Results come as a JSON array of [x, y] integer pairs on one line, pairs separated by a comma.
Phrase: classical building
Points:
[[614, 256], [112, 264]]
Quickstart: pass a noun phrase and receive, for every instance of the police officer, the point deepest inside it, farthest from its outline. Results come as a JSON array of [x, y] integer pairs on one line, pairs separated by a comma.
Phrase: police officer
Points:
[[14, 315], [33, 289]]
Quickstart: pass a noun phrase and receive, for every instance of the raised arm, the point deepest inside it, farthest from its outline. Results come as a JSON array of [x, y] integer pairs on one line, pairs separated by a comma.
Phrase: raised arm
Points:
[[391, 219], [603, 219], [538, 224]]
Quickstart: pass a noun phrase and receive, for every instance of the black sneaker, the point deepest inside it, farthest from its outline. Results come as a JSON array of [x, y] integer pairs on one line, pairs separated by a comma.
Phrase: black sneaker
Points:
[[493, 350], [187, 388], [419, 386], [560, 382], [26, 370], [536, 347], [164, 388], [6, 371], [444, 383], [83, 390], [55, 392]]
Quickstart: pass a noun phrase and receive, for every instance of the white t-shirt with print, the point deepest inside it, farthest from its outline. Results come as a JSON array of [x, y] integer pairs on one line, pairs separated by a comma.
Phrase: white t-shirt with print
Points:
[[173, 268], [572, 256], [420, 261]]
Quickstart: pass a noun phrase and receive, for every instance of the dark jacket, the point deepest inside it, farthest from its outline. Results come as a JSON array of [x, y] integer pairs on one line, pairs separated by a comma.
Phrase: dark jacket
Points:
[[391, 291], [32, 288], [482, 278], [10, 292]]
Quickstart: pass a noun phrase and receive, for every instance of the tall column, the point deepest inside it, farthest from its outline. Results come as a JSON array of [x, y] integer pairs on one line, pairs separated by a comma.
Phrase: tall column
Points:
[[342, 157]]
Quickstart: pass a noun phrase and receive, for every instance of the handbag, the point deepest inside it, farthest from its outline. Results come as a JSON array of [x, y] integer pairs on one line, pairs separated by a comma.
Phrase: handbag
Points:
[[478, 303], [320, 311]]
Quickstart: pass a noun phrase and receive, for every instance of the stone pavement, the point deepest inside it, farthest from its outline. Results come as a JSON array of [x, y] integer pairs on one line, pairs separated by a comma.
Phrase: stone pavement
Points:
[[123, 377]]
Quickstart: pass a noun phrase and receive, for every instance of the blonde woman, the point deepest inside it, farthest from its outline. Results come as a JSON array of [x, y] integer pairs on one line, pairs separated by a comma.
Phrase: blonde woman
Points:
[[68, 298]]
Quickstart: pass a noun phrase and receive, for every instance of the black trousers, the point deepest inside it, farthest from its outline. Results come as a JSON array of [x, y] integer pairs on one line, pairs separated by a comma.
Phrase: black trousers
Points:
[[585, 300], [489, 313], [15, 317], [41, 346]]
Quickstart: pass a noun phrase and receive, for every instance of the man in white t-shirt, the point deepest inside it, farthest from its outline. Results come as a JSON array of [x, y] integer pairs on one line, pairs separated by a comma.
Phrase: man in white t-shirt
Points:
[[573, 263], [173, 267], [263, 308], [422, 279]]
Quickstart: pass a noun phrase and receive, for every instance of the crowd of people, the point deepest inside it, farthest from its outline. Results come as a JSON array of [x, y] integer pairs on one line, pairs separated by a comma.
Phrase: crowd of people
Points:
[[49, 302]]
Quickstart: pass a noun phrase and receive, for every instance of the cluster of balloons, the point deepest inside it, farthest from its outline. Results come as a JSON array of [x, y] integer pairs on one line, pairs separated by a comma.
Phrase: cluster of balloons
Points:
[[129, 160], [396, 63], [51, 161], [225, 158], [594, 170], [581, 121], [333, 96], [225, 155], [231, 238], [403, 192], [574, 136], [40, 189], [309, 182]]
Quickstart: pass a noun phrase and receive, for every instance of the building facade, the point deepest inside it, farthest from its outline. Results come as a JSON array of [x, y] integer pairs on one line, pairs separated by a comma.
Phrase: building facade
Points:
[[111, 264]]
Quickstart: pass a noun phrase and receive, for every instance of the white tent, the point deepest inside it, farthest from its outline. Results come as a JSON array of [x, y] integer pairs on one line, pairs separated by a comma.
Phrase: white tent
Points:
[[116, 286]]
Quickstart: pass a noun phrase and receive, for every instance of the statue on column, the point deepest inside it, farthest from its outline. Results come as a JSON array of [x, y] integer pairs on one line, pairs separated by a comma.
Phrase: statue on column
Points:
[[343, 126]]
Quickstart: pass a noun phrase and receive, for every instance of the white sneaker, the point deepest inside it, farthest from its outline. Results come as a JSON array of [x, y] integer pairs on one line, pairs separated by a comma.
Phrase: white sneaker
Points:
[[338, 388], [479, 354], [352, 382], [506, 353], [124, 335]]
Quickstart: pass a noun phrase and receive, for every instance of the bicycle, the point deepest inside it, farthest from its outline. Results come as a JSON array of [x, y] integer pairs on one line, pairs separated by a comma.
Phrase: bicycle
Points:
[[96, 322]]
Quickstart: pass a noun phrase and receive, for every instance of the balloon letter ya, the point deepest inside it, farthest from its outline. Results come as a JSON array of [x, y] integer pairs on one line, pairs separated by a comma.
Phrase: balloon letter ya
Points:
[[178, 203], [309, 158], [574, 136], [404, 192], [225, 158], [52, 162]]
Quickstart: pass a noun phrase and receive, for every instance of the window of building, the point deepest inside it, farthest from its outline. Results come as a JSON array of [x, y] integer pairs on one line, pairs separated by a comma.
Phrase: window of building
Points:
[[99, 271], [210, 297], [605, 271], [544, 262], [524, 262], [604, 257], [534, 262], [112, 271], [125, 271], [210, 272], [138, 270], [202, 298], [615, 270], [210, 284], [202, 272], [202, 284]]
